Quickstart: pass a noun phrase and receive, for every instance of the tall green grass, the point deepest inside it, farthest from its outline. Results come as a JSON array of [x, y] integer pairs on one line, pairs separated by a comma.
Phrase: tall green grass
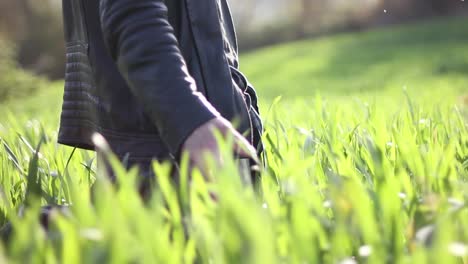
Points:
[[353, 176], [349, 182]]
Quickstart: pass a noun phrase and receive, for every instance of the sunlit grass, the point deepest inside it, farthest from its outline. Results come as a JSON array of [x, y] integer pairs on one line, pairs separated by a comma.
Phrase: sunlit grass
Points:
[[347, 181], [378, 176], [422, 57]]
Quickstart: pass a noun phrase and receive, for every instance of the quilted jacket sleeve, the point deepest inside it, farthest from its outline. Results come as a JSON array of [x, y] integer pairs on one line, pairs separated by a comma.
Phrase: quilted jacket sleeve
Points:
[[142, 42]]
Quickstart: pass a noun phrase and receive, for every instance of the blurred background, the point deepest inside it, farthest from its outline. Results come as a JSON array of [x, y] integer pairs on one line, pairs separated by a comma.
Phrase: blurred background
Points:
[[31, 30], [264, 22]]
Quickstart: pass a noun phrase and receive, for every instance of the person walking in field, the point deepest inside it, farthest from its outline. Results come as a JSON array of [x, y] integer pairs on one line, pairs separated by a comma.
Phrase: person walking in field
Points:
[[156, 78]]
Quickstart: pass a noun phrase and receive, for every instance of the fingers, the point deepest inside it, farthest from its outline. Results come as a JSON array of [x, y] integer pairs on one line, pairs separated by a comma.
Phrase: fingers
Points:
[[203, 141], [241, 147], [206, 163], [244, 149]]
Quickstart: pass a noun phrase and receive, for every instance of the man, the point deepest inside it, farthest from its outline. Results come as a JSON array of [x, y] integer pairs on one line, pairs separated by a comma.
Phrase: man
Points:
[[156, 78]]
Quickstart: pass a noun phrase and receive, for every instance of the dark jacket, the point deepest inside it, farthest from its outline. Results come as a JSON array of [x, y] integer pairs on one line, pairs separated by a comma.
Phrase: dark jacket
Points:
[[146, 73]]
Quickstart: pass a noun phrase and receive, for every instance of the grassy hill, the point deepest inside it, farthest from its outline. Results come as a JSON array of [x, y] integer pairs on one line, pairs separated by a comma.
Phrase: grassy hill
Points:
[[425, 56]]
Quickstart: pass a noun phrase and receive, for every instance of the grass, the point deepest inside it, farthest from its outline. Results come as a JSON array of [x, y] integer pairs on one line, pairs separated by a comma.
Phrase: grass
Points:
[[364, 172], [422, 57]]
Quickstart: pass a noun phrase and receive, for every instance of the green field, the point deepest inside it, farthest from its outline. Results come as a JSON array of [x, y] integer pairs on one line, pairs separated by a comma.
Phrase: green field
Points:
[[367, 163]]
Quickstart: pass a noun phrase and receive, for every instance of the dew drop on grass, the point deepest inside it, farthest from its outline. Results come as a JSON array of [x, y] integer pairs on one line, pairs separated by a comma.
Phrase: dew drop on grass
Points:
[[327, 204], [425, 122], [458, 249], [365, 251], [92, 234], [402, 196]]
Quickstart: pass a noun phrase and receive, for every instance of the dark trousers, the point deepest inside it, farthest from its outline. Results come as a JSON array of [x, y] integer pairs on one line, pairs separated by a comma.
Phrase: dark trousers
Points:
[[147, 176]]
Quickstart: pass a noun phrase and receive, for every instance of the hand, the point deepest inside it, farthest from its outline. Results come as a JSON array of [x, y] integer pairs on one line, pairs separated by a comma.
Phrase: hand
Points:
[[202, 141]]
